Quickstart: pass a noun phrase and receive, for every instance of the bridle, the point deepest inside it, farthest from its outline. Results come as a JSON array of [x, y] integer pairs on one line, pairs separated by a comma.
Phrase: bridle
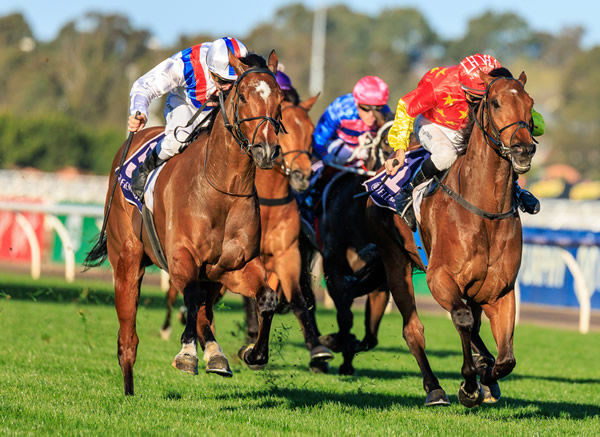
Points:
[[235, 130], [286, 167], [485, 112]]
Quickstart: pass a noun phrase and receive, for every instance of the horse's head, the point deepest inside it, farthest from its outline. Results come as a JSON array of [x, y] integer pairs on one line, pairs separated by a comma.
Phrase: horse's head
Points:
[[509, 124], [254, 106], [379, 147], [296, 143]]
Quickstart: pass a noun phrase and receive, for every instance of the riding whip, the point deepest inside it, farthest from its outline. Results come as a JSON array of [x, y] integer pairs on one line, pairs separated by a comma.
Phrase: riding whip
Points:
[[102, 237]]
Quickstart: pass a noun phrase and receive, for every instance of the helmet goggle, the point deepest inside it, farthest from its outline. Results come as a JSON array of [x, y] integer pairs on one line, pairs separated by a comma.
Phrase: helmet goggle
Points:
[[220, 80], [369, 108]]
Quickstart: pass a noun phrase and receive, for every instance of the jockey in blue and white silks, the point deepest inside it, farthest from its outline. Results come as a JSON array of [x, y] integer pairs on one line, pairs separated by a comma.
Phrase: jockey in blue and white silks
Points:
[[190, 77]]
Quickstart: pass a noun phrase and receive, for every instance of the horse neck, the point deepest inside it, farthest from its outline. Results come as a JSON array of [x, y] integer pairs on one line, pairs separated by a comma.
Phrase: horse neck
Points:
[[485, 178], [230, 168], [271, 184]]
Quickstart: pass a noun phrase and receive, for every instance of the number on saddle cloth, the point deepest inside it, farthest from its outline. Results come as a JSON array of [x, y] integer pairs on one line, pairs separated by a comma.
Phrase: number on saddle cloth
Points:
[[124, 173], [383, 193]]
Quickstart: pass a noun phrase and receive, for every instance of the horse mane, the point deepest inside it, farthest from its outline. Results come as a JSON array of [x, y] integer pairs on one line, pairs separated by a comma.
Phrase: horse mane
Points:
[[465, 132]]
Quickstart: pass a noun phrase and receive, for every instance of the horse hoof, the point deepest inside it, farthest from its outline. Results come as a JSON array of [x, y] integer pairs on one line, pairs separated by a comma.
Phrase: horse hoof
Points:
[[491, 393], [319, 366], [218, 364], [186, 363], [165, 334], [320, 353], [243, 354], [436, 397], [470, 400]]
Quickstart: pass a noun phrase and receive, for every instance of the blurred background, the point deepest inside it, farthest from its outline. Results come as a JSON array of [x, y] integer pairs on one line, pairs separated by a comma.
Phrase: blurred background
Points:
[[66, 70]]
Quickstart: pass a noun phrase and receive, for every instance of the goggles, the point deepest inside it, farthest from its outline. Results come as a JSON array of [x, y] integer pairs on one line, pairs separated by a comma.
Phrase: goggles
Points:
[[219, 80], [368, 108]]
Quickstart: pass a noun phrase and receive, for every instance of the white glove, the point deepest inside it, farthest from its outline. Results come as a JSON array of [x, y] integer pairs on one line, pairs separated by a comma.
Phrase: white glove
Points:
[[365, 139], [363, 153]]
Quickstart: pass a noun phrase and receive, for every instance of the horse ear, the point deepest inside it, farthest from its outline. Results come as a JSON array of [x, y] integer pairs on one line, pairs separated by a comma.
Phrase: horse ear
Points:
[[486, 78], [238, 66], [523, 78], [273, 61], [308, 103]]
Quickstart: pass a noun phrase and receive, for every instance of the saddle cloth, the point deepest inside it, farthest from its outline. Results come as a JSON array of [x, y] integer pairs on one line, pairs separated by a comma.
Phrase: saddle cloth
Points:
[[124, 174], [383, 193]]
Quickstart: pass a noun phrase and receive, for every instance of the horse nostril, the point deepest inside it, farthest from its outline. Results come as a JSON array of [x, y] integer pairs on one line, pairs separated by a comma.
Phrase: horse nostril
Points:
[[276, 152]]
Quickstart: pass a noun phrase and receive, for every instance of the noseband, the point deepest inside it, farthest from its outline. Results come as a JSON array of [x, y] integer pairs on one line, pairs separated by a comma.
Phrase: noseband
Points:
[[501, 149], [234, 128]]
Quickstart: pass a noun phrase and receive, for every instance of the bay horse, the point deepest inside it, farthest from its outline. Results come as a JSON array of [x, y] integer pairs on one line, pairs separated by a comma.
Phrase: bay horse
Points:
[[348, 253], [471, 232], [207, 219], [280, 225]]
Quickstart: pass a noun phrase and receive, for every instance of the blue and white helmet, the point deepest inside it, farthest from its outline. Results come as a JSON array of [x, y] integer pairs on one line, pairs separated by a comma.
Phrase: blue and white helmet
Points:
[[217, 57]]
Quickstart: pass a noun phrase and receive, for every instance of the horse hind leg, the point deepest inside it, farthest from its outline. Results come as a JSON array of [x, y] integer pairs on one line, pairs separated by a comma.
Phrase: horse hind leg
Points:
[[165, 331], [187, 358], [128, 278]]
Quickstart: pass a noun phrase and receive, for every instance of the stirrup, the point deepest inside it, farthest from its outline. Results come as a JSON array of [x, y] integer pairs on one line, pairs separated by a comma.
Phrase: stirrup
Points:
[[408, 215]]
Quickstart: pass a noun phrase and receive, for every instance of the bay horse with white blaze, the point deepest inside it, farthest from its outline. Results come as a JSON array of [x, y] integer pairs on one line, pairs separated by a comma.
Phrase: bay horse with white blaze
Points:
[[472, 235], [207, 219]]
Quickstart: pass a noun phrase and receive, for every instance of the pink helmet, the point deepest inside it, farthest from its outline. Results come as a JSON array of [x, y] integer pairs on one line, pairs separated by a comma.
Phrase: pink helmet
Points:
[[468, 72], [371, 90]]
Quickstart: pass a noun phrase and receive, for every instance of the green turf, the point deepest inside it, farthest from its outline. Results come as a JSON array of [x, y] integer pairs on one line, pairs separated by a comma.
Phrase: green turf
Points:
[[59, 376]]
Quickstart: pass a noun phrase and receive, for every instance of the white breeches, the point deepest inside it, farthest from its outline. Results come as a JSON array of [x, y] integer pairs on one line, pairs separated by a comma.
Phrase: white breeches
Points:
[[443, 143]]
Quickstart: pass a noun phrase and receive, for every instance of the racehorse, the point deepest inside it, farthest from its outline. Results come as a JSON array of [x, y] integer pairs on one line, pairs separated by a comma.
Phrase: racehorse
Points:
[[280, 224], [207, 219], [472, 235], [346, 248]]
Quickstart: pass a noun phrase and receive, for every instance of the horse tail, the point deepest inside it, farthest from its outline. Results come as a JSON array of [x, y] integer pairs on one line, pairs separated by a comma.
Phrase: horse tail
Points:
[[97, 254]]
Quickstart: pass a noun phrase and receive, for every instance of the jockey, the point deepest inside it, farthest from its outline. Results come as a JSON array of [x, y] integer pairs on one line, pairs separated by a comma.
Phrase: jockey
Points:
[[346, 123], [285, 83], [436, 111], [192, 77], [349, 119]]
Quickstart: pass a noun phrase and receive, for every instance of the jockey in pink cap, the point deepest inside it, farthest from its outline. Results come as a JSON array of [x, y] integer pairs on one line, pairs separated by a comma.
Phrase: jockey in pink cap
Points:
[[349, 117], [436, 111], [191, 77]]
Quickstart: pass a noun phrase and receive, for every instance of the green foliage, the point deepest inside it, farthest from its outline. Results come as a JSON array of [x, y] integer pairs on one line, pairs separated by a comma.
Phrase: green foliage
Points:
[[85, 75], [60, 376]]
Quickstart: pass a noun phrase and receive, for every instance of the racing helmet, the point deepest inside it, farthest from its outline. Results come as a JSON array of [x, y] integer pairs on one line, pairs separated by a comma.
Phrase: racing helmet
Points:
[[468, 72], [284, 81], [217, 57], [371, 90]]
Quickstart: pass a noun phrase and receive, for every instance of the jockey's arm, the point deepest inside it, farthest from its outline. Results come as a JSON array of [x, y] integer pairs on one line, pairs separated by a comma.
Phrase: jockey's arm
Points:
[[399, 137], [157, 82]]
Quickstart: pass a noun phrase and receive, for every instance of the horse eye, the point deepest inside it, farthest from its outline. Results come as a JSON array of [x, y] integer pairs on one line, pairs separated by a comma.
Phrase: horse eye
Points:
[[495, 103], [242, 98]]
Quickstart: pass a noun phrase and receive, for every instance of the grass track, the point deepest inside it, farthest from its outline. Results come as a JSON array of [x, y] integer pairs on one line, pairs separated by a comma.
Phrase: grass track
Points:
[[59, 375]]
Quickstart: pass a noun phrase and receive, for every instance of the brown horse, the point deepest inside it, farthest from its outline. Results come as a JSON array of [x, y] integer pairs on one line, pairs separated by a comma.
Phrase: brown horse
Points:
[[280, 224], [207, 219], [472, 234]]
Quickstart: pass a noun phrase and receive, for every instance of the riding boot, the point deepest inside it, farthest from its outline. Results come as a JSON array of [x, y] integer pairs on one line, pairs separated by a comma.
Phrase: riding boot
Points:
[[140, 174], [404, 199], [526, 201]]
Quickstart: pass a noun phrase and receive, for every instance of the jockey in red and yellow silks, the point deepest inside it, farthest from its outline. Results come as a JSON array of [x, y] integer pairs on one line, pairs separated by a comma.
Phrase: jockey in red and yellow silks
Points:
[[435, 112]]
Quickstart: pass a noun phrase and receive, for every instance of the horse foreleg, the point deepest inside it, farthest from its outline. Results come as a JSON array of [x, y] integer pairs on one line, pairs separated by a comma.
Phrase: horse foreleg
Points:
[[446, 292], [374, 309], [483, 358], [288, 270], [502, 321], [251, 281], [128, 278], [216, 362], [165, 331], [251, 320]]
